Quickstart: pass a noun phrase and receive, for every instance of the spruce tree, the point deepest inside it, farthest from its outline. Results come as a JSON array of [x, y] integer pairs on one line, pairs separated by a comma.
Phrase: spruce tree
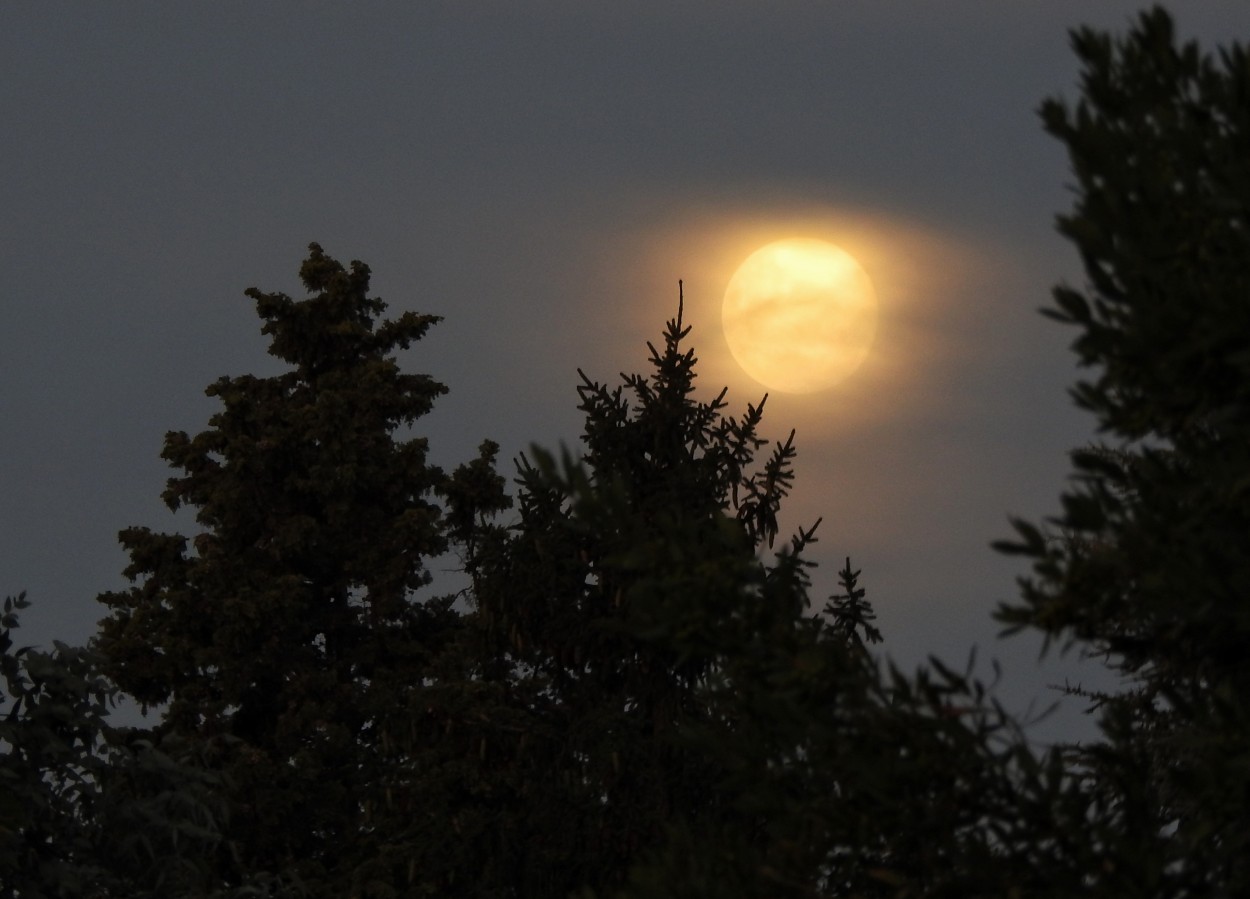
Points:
[[686, 725], [598, 610]]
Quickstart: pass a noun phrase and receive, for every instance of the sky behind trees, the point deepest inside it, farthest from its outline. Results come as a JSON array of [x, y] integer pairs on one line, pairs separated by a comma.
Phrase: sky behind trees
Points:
[[541, 175]]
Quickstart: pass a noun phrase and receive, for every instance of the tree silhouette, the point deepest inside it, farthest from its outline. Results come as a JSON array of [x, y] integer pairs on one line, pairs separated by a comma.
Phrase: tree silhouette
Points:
[[635, 696], [1150, 570], [288, 634], [685, 724], [609, 606], [87, 808]]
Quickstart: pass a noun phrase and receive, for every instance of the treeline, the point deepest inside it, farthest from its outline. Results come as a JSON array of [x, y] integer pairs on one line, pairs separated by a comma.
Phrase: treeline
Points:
[[640, 693]]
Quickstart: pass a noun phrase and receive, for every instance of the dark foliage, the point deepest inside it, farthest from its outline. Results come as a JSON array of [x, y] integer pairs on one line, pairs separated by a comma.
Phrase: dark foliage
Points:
[[87, 809], [634, 697], [286, 638], [1150, 568], [688, 726]]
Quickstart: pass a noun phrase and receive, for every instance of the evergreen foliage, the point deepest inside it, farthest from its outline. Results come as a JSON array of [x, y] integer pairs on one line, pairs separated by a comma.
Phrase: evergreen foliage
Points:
[[286, 637], [1151, 571], [610, 606], [689, 727], [634, 697]]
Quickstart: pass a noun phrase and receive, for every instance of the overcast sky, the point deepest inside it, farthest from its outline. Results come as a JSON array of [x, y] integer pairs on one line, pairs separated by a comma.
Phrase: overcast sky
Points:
[[542, 174]]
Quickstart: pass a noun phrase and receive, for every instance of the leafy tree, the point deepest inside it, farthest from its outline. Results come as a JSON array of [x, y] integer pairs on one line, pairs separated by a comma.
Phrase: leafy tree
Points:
[[52, 735], [87, 809], [286, 638], [1150, 571]]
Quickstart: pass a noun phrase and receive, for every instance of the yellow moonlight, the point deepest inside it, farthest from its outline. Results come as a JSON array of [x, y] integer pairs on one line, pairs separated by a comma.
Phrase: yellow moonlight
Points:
[[800, 315]]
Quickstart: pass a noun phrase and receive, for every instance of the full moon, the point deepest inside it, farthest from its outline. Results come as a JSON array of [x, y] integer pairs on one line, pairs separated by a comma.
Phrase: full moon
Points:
[[800, 315]]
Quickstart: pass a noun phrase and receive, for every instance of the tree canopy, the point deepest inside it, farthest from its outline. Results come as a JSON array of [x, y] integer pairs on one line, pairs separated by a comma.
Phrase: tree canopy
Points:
[[1147, 567], [285, 635], [638, 694], [88, 808]]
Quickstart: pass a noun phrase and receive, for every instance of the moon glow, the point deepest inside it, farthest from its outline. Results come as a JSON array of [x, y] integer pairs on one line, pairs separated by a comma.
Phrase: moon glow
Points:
[[799, 315]]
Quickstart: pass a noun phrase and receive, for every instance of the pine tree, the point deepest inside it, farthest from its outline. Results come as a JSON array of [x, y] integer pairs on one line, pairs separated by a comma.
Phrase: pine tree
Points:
[[290, 634]]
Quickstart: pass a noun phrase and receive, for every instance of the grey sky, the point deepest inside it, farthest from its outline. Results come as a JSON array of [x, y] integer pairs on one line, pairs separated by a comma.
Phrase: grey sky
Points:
[[542, 174]]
